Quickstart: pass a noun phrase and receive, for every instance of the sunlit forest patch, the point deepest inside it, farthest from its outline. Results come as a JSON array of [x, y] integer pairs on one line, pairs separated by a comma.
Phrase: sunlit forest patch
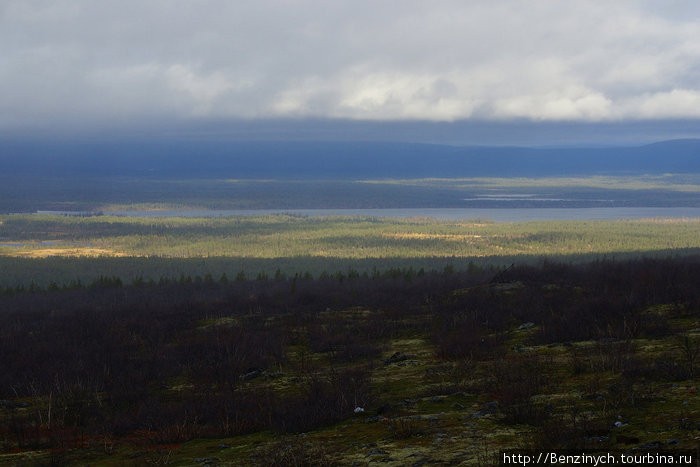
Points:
[[432, 236], [277, 236], [70, 251]]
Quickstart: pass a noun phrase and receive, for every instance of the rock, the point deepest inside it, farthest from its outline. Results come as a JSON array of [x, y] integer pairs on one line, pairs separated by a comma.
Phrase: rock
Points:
[[374, 419], [457, 406], [627, 439], [206, 460], [488, 409], [435, 399], [375, 452], [254, 373], [525, 326], [386, 408], [673, 441], [12, 405], [504, 286], [396, 357], [358, 410]]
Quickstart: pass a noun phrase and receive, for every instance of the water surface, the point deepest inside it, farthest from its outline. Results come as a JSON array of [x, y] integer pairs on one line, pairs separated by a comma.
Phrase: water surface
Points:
[[495, 214]]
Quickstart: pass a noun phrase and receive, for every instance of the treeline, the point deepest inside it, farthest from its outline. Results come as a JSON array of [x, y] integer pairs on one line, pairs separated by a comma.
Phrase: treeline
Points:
[[18, 273], [163, 363], [105, 282], [67, 272]]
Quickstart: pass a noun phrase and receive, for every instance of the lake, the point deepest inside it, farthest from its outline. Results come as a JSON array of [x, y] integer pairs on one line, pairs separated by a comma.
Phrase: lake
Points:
[[495, 214]]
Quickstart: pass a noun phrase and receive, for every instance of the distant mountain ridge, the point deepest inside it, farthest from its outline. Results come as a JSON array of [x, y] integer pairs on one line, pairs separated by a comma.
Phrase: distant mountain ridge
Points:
[[337, 160]]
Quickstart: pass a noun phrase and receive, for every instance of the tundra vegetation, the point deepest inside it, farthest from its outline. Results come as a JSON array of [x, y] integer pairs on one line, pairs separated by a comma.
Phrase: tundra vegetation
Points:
[[42, 249], [286, 340], [398, 366]]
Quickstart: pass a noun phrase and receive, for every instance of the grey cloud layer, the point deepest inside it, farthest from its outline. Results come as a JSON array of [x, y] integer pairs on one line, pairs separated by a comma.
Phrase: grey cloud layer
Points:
[[445, 60]]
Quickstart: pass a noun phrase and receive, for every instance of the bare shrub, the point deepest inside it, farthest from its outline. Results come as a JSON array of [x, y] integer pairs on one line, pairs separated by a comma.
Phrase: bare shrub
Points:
[[294, 452], [515, 381], [323, 400], [404, 427]]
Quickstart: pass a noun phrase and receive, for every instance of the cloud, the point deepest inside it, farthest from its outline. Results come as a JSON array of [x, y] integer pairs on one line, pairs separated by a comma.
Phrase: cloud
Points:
[[447, 60], [678, 103], [573, 103]]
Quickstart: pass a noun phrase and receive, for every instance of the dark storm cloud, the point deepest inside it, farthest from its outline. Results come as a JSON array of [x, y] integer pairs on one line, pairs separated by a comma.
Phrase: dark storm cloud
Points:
[[83, 63]]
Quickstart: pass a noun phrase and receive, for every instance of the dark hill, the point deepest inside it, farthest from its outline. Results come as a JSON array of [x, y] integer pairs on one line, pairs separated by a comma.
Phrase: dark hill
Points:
[[329, 160]]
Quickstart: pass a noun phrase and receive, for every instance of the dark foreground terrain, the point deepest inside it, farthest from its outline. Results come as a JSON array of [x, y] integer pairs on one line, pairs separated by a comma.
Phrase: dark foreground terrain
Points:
[[401, 366]]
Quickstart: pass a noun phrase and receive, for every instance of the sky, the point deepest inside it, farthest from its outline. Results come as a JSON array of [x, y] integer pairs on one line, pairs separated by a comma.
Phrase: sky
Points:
[[494, 71]]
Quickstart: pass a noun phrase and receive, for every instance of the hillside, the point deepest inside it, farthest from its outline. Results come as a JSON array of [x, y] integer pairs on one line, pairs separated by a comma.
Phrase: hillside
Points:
[[337, 160]]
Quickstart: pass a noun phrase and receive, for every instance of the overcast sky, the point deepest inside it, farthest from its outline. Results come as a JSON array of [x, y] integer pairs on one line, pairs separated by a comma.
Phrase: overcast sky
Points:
[[74, 65]]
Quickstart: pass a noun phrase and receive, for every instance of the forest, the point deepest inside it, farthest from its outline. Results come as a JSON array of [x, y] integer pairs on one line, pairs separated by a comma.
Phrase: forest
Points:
[[294, 340], [404, 366], [64, 249]]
